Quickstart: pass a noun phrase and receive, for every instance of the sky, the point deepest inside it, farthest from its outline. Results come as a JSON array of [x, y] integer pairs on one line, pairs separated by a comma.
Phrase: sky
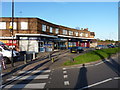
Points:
[[98, 17]]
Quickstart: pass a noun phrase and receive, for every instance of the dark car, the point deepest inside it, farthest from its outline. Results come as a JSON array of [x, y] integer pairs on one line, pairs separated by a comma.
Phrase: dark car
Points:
[[76, 49], [111, 46]]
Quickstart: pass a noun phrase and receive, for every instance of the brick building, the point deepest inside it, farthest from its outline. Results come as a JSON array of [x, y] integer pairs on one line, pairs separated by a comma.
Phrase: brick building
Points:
[[32, 34]]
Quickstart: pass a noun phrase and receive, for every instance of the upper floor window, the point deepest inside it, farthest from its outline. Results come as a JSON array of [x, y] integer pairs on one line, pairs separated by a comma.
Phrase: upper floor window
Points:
[[57, 31], [70, 32], [86, 34], [2, 25], [76, 33], [24, 25], [43, 27], [81, 34], [65, 32], [14, 25], [51, 30]]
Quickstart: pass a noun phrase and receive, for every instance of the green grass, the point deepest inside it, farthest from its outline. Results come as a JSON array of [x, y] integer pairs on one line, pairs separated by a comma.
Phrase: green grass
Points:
[[93, 56]]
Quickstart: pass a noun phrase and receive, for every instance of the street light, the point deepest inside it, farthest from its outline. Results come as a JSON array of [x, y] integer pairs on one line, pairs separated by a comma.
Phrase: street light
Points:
[[11, 30]]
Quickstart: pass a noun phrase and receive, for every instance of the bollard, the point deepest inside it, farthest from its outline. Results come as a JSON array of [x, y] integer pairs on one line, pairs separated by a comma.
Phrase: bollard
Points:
[[3, 64], [33, 55], [52, 60], [49, 56], [25, 59]]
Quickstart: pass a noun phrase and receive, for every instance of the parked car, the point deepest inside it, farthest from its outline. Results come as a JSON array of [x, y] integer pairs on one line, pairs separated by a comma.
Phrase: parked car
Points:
[[99, 47], [76, 49], [111, 46], [7, 53]]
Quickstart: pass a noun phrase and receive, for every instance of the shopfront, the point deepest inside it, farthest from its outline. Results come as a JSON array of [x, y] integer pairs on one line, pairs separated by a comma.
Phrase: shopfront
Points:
[[85, 43]]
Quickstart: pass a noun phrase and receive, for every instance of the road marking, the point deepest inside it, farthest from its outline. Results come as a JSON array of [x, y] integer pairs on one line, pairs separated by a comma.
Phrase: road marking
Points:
[[66, 83], [28, 77], [37, 71], [116, 77], [64, 72], [65, 76], [35, 86], [64, 68], [97, 83]]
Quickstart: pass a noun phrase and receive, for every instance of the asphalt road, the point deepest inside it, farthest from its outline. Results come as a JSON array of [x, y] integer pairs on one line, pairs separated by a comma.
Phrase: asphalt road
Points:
[[105, 74]]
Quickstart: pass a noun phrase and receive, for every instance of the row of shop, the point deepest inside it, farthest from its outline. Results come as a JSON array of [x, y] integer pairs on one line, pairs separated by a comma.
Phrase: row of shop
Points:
[[43, 43]]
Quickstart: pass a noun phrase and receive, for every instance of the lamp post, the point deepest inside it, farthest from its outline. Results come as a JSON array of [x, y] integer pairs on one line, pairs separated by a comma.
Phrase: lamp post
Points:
[[11, 30]]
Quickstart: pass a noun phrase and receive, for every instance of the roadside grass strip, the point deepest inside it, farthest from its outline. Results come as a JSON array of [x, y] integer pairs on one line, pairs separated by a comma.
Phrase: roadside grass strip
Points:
[[92, 56]]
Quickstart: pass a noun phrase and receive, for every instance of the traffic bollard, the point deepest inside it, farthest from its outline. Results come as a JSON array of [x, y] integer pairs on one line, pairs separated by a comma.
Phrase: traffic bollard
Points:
[[3, 64], [33, 55], [49, 56], [52, 60], [25, 59]]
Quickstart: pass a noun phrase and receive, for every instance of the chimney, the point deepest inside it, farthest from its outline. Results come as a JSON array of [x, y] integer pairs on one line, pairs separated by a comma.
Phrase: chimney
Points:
[[86, 29]]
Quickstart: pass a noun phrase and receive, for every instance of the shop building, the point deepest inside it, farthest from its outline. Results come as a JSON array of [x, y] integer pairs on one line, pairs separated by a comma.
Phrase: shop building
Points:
[[34, 34]]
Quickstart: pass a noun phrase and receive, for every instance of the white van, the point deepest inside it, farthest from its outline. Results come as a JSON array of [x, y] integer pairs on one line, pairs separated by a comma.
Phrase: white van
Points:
[[7, 53]]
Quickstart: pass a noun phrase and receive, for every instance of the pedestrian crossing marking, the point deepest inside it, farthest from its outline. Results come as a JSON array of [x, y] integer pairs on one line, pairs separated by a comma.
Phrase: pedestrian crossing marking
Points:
[[29, 77], [66, 83], [35, 86], [37, 71]]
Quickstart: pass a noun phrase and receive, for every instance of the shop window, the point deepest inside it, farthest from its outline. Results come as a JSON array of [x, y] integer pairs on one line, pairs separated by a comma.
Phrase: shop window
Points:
[[65, 32], [24, 25], [43, 27], [51, 30], [14, 25], [57, 31], [2, 25], [70, 32]]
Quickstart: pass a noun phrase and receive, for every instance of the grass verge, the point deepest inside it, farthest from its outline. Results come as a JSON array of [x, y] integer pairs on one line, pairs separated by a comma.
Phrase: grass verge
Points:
[[93, 56]]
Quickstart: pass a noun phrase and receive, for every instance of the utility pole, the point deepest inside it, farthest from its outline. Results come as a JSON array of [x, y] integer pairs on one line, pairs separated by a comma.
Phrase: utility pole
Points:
[[11, 30]]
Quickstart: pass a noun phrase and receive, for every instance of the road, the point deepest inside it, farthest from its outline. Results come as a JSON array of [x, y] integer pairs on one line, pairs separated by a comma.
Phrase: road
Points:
[[104, 74]]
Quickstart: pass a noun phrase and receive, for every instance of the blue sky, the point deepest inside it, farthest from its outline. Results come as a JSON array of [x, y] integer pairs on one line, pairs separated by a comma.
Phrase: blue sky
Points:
[[99, 17]]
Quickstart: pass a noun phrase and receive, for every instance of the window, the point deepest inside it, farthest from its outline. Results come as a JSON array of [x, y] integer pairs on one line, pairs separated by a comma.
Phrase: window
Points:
[[86, 35], [24, 25], [14, 25], [65, 32], [51, 29], [81, 34], [2, 25], [70, 32], [76, 33], [57, 31], [43, 27]]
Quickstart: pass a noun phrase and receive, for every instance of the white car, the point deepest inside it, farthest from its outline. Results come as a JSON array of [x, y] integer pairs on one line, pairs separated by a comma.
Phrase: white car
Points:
[[7, 53]]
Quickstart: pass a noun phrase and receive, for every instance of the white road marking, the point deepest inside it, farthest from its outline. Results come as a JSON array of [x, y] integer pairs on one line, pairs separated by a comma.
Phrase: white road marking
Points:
[[97, 83], [35, 86], [64, 72], [65, 76], [66, 83], [28, 77], [64, 68], [116, 77], [37, 71]]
